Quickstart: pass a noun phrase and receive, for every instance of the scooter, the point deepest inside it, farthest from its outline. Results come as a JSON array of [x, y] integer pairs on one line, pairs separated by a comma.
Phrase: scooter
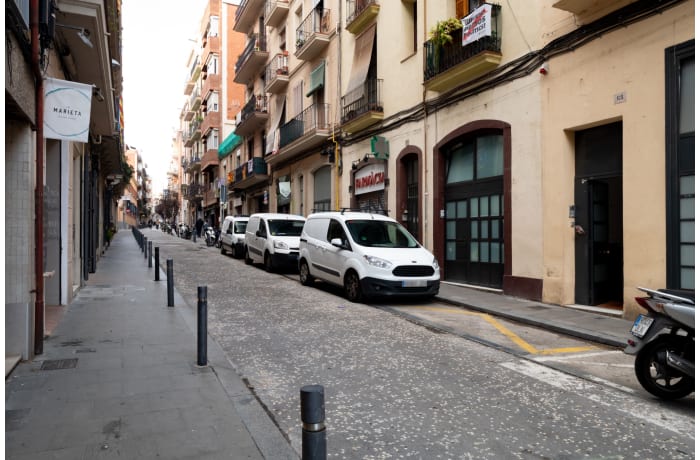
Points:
[[209, 235], [663, 339]]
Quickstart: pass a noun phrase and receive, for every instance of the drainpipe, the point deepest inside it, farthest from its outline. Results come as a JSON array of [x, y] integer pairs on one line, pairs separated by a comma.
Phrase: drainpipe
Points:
[[39, 190]]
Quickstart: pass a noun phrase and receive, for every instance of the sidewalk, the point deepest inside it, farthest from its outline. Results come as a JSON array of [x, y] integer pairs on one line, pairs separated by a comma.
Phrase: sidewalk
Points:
[[118, 378], [587, 325]]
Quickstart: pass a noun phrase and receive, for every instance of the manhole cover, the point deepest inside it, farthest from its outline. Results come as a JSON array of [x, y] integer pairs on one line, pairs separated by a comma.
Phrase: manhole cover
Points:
[[55, 364]]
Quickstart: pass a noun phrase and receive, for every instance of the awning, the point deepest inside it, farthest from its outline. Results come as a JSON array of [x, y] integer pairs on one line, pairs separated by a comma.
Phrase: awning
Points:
[[273, 135], [230, 143], [364, 44], [318, 76]]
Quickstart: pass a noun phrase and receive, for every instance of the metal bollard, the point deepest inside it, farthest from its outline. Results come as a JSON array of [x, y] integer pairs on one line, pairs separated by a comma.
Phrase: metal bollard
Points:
[[145, 248], [313, 423], [194, 236], [171, 294], [150, 253], [157, 278], [201, 325]]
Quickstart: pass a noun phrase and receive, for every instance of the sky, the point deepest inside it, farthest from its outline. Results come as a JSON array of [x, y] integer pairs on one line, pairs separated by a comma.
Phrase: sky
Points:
[[155, 45]]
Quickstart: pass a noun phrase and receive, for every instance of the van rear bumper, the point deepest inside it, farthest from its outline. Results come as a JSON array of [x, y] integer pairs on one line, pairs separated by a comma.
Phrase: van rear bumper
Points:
[[380, 287]]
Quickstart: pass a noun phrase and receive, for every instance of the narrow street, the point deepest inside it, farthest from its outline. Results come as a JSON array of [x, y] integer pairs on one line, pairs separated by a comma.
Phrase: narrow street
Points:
[[400, 382]]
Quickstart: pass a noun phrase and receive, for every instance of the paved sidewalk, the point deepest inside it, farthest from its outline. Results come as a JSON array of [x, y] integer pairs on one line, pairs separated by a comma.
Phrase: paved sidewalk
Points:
[[118, 379], [587, 325]]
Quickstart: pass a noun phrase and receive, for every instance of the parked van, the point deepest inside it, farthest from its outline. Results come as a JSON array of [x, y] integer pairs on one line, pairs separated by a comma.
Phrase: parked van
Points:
[[273, 239], [367, 254], [233, 235]]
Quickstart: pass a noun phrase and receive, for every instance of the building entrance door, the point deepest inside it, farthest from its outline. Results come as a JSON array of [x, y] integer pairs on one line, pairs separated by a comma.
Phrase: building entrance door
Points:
[[598, 203]]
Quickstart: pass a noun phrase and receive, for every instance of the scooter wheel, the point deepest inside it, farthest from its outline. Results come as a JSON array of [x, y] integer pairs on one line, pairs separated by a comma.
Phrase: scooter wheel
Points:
[[654, 373]]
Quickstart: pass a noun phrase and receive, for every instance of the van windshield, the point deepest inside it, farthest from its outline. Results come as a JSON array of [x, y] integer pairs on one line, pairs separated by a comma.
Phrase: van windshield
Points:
[[380, 234], [285, 227], [239, 226]]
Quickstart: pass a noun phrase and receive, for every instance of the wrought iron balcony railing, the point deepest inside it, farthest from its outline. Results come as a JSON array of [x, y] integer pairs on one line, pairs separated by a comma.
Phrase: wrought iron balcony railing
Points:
[[311, 119], [256, 42], [365, 98], [438, 59]]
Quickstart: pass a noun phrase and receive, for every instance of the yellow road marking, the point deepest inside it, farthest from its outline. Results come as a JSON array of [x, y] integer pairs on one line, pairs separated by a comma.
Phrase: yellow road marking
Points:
[[515, 338]]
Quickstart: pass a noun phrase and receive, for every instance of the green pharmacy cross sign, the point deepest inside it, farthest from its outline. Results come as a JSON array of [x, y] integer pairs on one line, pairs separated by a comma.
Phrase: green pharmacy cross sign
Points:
[[380, 147]]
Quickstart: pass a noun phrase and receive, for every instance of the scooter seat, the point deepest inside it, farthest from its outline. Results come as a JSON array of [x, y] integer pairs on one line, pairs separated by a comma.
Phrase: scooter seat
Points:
[[685, 293]]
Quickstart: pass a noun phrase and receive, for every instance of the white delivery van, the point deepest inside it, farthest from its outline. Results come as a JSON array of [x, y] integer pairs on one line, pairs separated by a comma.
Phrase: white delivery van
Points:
[[273, 240], [233, 235], [367, 254]]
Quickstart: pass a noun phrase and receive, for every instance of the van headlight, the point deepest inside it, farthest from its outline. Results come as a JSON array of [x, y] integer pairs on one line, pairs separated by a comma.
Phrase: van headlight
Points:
[[436, 265], [281, 245], [377, 262]]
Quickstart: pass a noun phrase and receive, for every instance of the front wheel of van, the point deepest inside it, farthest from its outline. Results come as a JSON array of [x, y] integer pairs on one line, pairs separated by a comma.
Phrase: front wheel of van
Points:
[[353, 288], [304, 275], [268, 263]]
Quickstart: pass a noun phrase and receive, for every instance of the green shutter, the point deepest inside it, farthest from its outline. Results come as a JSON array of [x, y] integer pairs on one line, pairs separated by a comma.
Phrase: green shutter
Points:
[[318, 75]]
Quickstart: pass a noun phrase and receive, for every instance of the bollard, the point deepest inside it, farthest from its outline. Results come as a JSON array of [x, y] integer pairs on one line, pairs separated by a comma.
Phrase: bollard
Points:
[[150, 253], [194, 236], [157, 278], [201, 325], [145, 248], [313, 423], [171, 295]]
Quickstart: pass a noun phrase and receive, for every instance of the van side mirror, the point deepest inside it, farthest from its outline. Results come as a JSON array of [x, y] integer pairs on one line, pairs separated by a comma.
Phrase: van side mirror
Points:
[[338, 243], [260, 234]]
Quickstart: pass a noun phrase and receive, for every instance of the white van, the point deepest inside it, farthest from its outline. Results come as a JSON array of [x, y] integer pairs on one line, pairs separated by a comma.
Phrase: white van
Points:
[[233, 235], [273, 239], [367, 254]]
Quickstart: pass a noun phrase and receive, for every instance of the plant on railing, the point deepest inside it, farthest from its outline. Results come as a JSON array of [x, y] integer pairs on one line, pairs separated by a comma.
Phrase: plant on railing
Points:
[[300, 42], [441, 34]]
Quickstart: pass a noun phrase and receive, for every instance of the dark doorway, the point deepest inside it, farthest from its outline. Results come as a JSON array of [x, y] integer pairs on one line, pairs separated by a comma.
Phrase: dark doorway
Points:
[[598, 203], [410, 219]]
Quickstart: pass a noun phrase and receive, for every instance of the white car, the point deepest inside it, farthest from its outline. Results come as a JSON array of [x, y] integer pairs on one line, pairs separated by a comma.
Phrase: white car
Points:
[[273, 240], [366, 254], [233, 235]]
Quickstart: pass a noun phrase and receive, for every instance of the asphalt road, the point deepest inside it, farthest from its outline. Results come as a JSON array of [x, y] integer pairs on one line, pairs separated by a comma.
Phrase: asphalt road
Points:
[[400, 387]]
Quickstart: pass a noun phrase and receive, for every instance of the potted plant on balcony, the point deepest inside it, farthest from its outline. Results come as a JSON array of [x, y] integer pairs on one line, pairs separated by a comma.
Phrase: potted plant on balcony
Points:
[[441, 34]]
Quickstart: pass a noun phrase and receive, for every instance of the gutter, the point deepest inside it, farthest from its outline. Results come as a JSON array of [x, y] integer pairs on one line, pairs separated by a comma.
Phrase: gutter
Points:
[[39, 183]]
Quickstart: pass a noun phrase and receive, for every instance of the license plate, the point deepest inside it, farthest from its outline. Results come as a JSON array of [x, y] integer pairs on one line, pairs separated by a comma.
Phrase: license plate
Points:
[[414, 283], [641, 326]]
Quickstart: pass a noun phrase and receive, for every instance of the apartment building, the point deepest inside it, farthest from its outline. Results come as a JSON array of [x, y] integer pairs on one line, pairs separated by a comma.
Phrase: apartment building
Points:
[[206, 112], [61, 185], [544, 150]]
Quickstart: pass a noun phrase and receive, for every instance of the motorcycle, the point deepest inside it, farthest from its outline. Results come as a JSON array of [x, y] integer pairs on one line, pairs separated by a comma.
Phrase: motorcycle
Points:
[[209, 235], [663, 339]]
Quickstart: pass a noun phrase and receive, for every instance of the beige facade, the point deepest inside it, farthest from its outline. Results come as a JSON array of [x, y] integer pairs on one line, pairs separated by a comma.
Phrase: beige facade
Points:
[[620, 77], [523, 158]]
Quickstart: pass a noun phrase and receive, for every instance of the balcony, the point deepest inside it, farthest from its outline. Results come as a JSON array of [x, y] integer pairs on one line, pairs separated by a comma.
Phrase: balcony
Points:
[[590, 8], [210, 159], [275, 12], [192, 76], [195, 133], [308, 130], [253, 116], [195, 99], [193, 164], [210, 44], [210, 198], [195, 192], [362, 107], [313, 35], [249, 174], [253, 57], [277, 74], [247, 14], [360, 14], [452, 64], [211, 120], [188, 112]]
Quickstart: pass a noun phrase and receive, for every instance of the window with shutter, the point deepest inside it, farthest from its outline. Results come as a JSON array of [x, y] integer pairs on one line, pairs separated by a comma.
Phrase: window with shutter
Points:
[[462, 7]]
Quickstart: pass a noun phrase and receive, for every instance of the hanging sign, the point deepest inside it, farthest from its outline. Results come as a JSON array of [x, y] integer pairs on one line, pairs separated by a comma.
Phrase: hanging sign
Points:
[[67, 110], [476, 25]]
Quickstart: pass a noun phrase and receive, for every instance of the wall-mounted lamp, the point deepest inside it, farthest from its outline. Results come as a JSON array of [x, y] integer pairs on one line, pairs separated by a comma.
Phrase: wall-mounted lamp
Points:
[[83, 33], [115, 63], [98, 93], [364, 159]]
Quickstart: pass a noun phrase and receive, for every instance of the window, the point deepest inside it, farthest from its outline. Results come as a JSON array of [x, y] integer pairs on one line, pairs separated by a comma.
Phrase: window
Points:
[[680, 166], [213, 26], [212, 64], [479, 158], [213, 102]]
